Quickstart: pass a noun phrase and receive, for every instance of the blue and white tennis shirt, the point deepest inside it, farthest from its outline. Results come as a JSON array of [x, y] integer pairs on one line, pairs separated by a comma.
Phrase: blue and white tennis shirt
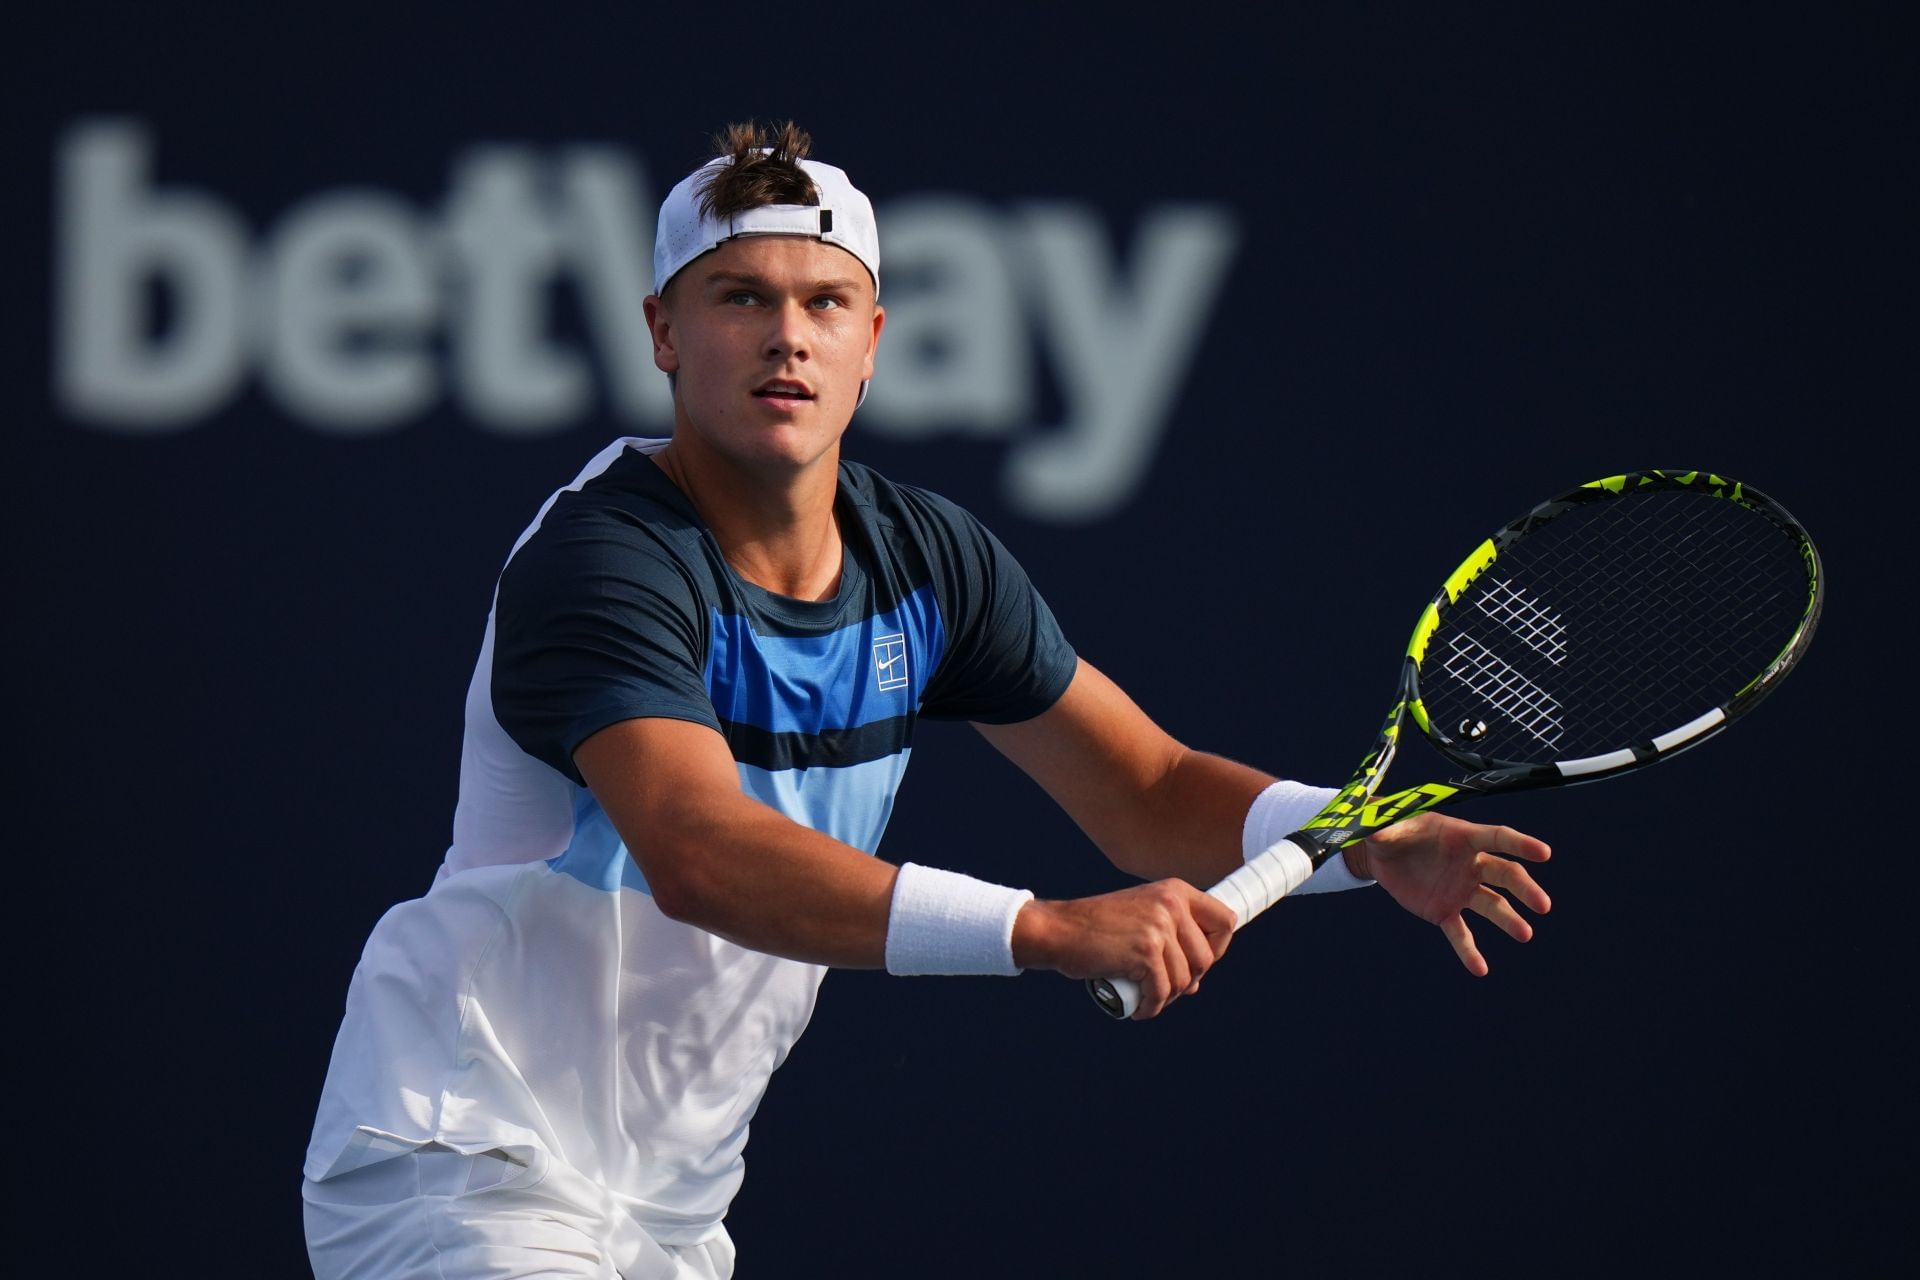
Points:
[[535, 1000]]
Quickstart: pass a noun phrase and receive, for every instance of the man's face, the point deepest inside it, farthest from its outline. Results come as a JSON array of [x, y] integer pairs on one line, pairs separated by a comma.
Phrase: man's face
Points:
[[769, 338]]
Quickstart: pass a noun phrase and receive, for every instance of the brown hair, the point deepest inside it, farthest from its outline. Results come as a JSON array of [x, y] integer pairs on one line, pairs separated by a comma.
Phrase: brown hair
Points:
[[763, 169]]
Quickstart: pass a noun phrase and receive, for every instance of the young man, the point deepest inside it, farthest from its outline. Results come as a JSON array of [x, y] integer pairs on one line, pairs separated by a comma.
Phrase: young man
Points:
[[691, 711]]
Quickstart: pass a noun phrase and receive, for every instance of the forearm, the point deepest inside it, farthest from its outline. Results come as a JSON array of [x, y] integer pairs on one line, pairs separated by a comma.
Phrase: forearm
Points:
[[1177, 831], [1154, 807], [718, 859], [752, 876], [1187, 822]]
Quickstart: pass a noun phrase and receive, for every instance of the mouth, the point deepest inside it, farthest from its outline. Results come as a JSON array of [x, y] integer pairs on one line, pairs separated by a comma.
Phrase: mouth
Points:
[[783, 391]]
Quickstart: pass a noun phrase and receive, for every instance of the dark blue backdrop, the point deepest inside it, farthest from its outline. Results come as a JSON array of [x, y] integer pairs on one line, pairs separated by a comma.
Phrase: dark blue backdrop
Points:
[[1474, 257]]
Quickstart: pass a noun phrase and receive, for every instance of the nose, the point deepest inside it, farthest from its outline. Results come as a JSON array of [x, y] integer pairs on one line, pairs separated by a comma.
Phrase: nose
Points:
[[787, 336]]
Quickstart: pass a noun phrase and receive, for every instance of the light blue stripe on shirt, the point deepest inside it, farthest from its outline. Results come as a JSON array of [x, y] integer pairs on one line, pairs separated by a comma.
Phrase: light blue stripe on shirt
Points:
[[852, 805], [873, 670], [596, 855]]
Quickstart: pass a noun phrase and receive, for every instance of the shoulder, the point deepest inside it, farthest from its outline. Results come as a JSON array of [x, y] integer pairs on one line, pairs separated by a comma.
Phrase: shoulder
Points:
[[620, 523], [622, 491], [905, 508]]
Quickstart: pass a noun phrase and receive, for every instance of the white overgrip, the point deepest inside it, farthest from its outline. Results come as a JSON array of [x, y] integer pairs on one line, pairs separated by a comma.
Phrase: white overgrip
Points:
[[1259, 883], [1270, 876]]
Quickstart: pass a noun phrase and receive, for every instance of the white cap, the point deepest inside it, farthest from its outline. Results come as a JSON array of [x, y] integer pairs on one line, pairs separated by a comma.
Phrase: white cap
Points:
[[844, 217]]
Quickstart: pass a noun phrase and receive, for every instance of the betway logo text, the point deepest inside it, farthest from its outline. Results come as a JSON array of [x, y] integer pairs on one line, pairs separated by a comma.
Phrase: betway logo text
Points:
[[360, 312]]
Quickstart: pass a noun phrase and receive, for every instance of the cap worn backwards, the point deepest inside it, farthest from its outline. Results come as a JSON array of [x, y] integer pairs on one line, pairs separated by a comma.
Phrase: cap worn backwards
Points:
[[844, 217]]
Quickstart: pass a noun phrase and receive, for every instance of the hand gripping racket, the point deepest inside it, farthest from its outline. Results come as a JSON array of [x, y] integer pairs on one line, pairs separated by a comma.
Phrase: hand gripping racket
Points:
[[1613, 626]]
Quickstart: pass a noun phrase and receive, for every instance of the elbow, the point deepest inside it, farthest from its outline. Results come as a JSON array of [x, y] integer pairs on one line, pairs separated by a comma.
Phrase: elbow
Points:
[[675, 880], [673, 897]]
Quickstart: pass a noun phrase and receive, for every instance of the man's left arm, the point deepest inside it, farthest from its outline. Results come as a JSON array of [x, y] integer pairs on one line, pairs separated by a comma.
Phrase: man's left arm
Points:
[[1158, 809], [1155, 808]]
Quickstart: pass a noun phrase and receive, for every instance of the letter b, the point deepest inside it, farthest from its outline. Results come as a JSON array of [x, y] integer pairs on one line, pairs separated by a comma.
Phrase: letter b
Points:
[[116, 238]]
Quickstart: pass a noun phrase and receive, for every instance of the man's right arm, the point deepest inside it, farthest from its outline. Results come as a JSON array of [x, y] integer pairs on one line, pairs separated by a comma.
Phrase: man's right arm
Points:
[[716, 858]]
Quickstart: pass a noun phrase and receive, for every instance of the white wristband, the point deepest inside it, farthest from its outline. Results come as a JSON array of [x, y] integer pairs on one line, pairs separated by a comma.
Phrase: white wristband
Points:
[[1283, 809], [944, 922]]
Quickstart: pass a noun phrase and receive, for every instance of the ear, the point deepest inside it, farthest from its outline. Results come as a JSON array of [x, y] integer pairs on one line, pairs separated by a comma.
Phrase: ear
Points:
[[873, 346], [660, 328]]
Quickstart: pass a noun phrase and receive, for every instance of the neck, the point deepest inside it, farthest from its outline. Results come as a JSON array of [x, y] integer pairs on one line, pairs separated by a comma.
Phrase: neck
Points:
[[777, 532]]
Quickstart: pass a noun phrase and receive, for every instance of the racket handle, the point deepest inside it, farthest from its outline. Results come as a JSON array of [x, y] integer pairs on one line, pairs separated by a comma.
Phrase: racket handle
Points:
[[1259, 883]]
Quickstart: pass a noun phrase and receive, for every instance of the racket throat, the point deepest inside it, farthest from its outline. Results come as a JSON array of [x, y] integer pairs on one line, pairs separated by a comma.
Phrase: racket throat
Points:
[[1349, 819]]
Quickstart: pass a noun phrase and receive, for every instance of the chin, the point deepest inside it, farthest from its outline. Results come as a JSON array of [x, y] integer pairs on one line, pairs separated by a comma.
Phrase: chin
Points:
[[782, 449]]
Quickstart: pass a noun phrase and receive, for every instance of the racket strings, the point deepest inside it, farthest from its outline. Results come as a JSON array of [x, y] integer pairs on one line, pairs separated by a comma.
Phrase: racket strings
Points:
[[1537, 627], [1481, 671], [1613, 623]]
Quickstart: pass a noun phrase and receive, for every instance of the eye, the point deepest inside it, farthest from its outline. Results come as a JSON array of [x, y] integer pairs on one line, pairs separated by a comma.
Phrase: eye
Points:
[[741, 298], [827, 302]]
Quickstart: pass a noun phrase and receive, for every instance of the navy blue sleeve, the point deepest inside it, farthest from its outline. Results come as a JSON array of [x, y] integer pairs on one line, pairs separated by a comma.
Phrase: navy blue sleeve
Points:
[[596, 621], [1006, 658]]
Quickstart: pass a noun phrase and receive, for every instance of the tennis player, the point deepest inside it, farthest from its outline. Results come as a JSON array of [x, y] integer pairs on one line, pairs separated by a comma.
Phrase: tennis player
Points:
[[692, 708]]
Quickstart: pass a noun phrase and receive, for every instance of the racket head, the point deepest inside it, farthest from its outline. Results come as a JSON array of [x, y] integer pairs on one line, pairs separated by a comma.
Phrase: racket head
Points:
[[1612, 626]]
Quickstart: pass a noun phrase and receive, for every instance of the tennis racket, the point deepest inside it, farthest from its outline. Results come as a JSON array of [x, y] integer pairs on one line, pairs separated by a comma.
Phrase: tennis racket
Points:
[[1606, 629]]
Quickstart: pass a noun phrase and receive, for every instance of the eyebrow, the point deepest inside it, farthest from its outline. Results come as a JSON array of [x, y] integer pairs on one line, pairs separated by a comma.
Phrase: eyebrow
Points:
[[841, 284]]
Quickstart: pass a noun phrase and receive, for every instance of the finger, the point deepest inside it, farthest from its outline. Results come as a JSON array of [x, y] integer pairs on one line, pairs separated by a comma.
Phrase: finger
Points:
[[1513, 843], [1461, 937], [1199, 948], [1221, 941], [1215, 918], [1180, 974], [1493, 907], [1518, 881], [1199, 954], [1155, 992]]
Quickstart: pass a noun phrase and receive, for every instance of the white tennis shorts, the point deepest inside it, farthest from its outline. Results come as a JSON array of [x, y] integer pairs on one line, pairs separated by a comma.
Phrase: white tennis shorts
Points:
[[436, 1214]]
